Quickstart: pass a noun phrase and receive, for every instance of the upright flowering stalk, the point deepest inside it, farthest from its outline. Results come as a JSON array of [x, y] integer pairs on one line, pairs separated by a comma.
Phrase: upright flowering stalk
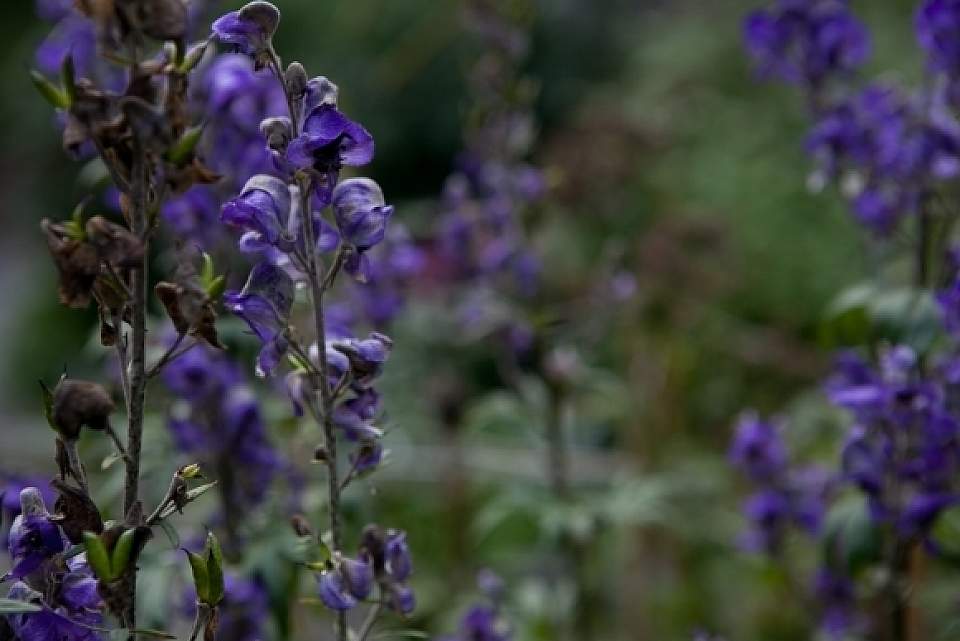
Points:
[[893, 152], [282, 222], [122, 94]]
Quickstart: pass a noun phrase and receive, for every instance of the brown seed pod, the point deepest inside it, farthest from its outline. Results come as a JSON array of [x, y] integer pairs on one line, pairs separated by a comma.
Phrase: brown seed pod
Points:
[[80, 403]]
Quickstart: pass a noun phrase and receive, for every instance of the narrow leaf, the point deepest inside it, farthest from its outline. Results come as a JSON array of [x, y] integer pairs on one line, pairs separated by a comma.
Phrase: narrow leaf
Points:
[[13, 606], [50, 92]]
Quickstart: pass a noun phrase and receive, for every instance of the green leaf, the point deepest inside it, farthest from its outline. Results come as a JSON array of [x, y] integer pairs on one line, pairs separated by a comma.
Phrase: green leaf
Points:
[[182, 150], [50, 92], [200, 490], [97, 557], [121, 552], [68, 75], [13, 606], [201, 578], [215, 569], [946, 535], [852, 540]]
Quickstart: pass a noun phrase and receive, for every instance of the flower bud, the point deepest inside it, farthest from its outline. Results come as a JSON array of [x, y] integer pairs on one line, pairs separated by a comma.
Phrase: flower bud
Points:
[[295, 80], [399, 563], [300, 525], [263, 14], [357, 577], [277, 131]]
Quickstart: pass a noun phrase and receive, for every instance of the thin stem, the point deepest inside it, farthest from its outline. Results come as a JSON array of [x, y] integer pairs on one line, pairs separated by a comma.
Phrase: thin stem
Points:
[[320, 379], [171, 355], [122, 361], [557, 464], [370, 621], [138, 199]]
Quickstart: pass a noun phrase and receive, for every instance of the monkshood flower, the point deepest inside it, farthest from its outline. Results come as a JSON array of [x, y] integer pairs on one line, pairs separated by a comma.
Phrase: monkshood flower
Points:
[[938, 31], [328, 141], [837, 595], [346, 583], [904, 437], [805, 41], [33, 537], [218, 422], [484, 621], [361, 212], [390, 271], [948, 300], [72, 612], [250, 29], [886, 149], [263, 212], [785, 496], [264, 303]]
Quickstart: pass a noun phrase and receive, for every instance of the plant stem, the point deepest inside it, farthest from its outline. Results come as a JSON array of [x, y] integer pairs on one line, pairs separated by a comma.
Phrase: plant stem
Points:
[[557, 465]]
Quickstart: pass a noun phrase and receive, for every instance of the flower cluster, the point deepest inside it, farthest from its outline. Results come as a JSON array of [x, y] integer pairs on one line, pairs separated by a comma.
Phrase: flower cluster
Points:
[[480, 237], [232, 99], [282, 222], [785, 496], [806, 41], [887, 148], [218, 422], [485, 620], [383, 560], [65, 592], [903, 448]]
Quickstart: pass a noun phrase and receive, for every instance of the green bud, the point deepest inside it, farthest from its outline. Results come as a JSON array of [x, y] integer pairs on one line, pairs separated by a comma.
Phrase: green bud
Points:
[[191, 471], [122, 551], [193, 57], [97, 557], [214, 570], [201, 579], [182, 149]]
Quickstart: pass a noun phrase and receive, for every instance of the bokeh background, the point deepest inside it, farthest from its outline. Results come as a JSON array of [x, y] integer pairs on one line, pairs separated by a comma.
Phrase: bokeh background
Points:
[[662, 147]]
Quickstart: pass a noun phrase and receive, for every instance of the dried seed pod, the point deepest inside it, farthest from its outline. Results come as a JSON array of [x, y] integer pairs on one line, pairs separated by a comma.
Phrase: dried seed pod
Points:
[[114, 243], [77, 263], [74, 512], [80, 403], [190, 310]]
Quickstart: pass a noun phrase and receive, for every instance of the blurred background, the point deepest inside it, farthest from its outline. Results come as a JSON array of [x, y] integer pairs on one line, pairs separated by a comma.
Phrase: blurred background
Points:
[[667, 163]]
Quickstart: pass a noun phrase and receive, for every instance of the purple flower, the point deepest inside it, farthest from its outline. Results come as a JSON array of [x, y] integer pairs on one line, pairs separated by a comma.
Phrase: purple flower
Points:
[[193, 215], [328, 141], [938, 31], [758, 448], [361, 212], [357, 576], [806, 41], [220, 424], [245, 611], [402, 599], [334, 592], [836, 593], [265, 304], [33, 537], [250, 29], [399, 563], [262, 210], [70, 611]]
